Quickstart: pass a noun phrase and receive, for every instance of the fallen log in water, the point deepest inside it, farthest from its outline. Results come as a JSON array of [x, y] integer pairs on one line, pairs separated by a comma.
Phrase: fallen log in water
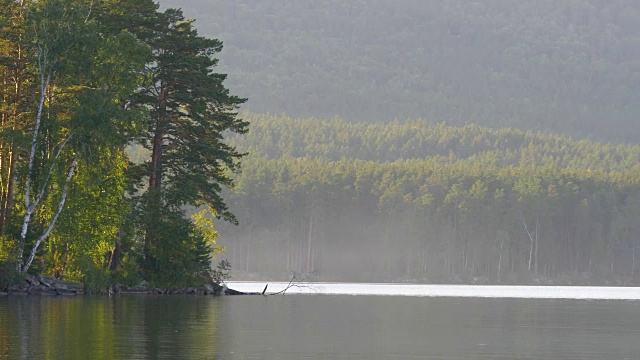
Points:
[[228, 291]]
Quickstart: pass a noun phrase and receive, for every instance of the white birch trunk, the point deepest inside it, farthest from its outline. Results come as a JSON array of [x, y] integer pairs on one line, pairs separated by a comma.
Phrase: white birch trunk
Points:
[[29, 206], [310, 234], [29, 203], [500, 260], [531, 241], [537, 233], [63, 198]]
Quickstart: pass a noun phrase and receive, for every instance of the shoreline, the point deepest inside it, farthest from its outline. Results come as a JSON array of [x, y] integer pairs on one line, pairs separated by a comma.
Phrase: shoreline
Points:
[[39, 285]]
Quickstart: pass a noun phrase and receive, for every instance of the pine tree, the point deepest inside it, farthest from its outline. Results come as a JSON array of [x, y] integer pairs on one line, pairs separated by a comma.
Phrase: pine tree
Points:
[[190, 112]]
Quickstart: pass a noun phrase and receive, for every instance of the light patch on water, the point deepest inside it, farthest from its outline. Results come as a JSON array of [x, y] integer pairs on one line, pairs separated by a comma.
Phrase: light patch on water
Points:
[[477, 291]]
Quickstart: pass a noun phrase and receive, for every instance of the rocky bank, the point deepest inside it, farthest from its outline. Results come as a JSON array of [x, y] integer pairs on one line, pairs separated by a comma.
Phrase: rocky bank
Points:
[[39, 285]]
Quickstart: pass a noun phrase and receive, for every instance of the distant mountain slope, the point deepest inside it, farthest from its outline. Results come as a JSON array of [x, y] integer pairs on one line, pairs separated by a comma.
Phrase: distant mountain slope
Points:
[[563, 66]]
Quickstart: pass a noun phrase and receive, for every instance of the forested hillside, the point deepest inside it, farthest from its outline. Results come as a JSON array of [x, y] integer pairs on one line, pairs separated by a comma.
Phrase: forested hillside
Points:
[[425, 201], [562, 66]]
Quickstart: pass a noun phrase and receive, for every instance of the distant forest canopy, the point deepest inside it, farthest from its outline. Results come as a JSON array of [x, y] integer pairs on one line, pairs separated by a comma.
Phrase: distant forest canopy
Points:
[[571, 67], [280, 136], [430, 202]]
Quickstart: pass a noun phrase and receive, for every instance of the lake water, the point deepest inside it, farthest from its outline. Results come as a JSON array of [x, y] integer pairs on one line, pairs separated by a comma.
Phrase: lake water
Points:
[[424, 322]]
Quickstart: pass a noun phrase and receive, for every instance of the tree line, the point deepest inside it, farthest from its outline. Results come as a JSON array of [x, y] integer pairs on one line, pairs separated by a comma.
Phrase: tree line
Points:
[[432, 202], [81, 82]]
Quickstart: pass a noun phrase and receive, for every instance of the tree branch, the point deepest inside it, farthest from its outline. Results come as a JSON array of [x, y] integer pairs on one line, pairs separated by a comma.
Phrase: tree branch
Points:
[[295, 282]]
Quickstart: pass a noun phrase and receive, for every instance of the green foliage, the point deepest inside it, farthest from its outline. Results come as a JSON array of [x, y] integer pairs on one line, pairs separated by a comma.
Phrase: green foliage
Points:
[[94, 215], [221, 272], [94, 278], [180, 254], [7, 249], [8, 264], [204, 228], [203, 224], [79, 82], [9, 274]]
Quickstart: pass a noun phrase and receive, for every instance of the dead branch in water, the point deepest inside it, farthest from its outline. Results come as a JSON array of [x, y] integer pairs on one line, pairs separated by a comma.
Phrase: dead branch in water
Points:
[[301, 281]]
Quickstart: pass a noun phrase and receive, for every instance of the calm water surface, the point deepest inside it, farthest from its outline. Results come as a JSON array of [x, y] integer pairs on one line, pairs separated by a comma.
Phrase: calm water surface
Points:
[[319, 326]]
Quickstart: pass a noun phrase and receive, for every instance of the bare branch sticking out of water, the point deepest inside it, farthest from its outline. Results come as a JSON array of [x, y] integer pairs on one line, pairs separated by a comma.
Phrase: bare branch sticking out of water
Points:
[[300, 281]]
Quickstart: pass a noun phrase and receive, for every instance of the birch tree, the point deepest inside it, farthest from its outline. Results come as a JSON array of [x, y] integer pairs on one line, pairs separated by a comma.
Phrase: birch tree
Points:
[[55, 27], [529, 192], [84, 77]]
